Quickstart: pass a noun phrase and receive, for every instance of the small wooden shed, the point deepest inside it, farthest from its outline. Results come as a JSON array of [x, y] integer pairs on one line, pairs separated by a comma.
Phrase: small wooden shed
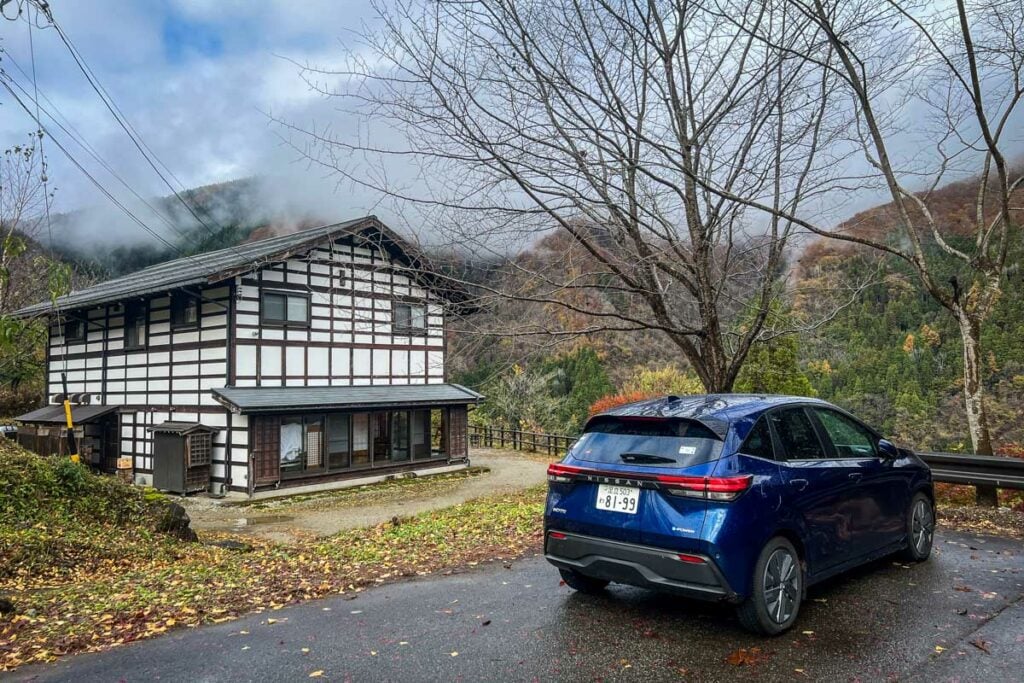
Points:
[[44, 431], [182, 453]]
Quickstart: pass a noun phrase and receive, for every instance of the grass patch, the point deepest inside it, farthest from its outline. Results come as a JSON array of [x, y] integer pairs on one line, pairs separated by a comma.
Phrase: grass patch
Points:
[[85, 582], [367, 493]]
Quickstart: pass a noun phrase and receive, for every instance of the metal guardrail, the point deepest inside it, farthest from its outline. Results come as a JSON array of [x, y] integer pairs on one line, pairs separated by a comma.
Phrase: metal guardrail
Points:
[[976, 470], [954, 468]]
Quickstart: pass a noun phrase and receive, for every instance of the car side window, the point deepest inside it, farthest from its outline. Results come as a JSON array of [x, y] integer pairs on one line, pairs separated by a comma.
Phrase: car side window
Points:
[[851, 439], [795, 431], [759, 441]]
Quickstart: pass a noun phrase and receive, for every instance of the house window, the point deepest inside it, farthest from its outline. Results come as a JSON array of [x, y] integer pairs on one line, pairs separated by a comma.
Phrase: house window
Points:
[[360, 440], [184, 311], [339, 440], [410, 319], [421, 434], [74, 331], [135, 326], [302, 445], [282, 308]]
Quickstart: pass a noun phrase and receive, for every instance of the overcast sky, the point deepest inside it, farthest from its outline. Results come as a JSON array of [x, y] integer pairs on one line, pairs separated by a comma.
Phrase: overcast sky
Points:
[[197, 79]]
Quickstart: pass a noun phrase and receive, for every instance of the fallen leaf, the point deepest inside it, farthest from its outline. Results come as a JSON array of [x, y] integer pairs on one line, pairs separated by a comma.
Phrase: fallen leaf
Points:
[[981, 645], [455, 654], [745, 657], [316, 674]]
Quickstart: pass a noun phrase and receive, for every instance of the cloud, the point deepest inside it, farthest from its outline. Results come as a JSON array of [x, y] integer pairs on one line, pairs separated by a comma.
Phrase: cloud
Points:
[[197, 80]]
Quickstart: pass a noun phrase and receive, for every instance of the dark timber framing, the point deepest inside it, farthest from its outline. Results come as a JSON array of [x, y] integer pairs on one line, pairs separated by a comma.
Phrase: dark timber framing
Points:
[[350, 277]]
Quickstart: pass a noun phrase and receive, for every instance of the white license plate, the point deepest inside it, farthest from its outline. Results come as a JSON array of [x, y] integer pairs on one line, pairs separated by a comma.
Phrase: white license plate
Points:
[[618, 498]]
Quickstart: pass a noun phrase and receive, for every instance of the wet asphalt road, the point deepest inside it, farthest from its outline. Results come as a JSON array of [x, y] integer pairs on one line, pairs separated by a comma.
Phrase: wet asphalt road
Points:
[[881, 622]]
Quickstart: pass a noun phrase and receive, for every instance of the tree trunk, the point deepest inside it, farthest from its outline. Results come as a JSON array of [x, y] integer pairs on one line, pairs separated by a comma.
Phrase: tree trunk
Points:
[[974, 398]]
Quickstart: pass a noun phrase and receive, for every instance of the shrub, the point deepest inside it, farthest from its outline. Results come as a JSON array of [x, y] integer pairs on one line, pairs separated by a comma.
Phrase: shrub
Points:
[[622, 398]]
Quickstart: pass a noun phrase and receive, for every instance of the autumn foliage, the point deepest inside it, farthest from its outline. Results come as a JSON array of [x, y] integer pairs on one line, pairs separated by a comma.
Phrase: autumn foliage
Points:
[[72, 582], [620, 399]]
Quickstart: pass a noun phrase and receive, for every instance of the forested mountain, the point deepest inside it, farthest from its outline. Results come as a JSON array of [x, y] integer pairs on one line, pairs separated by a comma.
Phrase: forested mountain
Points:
[[890, 354], [204, 219]]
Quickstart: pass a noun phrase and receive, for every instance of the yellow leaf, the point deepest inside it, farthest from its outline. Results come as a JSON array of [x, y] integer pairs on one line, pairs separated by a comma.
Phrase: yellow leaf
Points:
[[316, 674]]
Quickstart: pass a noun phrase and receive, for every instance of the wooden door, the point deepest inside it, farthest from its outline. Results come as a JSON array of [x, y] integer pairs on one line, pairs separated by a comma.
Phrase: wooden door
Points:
[[458, 428], [266, 450]]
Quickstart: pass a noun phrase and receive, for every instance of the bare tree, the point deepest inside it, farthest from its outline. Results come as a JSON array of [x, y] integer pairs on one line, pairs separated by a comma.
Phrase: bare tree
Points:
[[26, 271], [936, 89], [23, 200], [630, 127]]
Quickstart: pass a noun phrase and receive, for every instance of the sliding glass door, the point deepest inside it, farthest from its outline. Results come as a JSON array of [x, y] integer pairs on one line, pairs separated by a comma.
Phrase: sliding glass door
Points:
[[339, 442]]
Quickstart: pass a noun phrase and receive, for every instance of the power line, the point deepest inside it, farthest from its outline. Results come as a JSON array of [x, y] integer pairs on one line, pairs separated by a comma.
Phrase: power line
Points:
[[88, 175], [122, 120], [76, 136], [147, 153]]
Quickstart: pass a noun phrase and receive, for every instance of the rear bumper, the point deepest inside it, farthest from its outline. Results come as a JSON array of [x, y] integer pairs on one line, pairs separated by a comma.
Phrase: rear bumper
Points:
[[638, 565]]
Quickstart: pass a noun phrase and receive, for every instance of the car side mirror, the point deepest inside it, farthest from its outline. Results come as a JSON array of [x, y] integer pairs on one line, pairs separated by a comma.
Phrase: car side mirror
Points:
[[888, 449]]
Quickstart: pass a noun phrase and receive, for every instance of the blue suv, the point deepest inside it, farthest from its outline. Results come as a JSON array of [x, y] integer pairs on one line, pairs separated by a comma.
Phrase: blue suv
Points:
[[742, 499]]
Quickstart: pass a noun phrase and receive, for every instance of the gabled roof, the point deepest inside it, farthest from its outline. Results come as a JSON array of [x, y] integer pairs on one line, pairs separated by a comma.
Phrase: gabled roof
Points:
[[215, 266], [172, 427], [249, 400]]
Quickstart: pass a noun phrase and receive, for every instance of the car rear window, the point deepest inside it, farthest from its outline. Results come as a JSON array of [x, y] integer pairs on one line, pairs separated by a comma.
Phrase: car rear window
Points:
[[653, 442]]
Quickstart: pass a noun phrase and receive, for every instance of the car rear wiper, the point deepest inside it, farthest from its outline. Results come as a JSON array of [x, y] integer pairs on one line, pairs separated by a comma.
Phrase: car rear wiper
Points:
[[644, 458]]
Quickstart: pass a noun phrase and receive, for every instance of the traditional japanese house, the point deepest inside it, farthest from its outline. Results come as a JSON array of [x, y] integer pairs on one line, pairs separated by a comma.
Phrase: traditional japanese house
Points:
[[308, 357]]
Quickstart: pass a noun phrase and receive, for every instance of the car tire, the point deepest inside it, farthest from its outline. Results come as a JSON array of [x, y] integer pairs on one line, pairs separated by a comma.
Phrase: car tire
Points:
[[776, 590], [920, 529], [581, 583]]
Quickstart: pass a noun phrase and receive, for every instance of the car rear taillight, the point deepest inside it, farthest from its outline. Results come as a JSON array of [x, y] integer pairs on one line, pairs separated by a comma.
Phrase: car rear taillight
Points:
[[707, 488], [562, 474], [727, 488], [711, 488], [557, 535]]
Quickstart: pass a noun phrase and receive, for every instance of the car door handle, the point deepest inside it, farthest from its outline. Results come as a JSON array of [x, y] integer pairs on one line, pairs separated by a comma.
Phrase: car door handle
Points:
[[800, 484], [856, 476]]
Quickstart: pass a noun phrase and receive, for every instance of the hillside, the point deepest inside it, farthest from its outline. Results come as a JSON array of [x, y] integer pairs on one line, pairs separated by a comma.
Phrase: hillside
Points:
[[221, 215], [892, 355]]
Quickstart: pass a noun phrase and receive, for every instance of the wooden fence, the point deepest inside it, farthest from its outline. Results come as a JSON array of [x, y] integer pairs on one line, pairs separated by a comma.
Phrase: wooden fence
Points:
[[516, 439]]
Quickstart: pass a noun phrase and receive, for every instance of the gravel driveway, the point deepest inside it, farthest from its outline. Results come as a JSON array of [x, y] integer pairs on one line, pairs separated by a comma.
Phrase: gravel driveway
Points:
[[285, 520]]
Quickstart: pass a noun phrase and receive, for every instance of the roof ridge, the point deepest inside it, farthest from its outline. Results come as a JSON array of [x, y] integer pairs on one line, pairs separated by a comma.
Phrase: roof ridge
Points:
[[195, 268]]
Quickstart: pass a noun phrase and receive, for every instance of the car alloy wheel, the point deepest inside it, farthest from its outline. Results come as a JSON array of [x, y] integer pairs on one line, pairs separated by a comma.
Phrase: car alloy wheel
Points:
[[781, 585], [922, 526]]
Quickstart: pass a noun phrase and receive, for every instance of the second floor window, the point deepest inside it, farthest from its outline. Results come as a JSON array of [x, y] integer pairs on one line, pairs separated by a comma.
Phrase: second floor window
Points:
[[134, 326], [283, 308], [184, 311], [410, 318], [74, 331]]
